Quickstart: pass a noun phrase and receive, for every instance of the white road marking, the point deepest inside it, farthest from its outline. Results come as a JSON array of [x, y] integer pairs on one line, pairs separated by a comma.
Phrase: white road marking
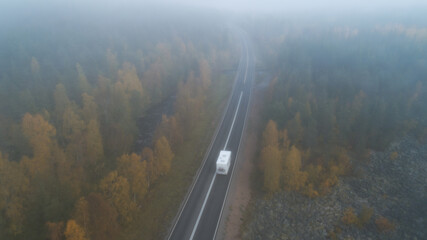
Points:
[[203, 208], [235, 162], [234, 119], [213, 179], [208, 152]]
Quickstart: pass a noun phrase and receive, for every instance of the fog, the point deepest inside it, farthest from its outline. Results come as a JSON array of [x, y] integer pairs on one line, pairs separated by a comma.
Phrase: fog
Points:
[[339, 81], [15, 13], [247, 6]]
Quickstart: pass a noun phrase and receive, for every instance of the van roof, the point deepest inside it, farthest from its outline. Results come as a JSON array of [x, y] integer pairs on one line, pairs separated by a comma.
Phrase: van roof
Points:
[[224, 156]]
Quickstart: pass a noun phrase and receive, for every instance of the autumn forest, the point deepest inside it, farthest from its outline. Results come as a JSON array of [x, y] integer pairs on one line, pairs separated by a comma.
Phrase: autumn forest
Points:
[[329, 103], [72, 92], [343, 128], [336, 97], [107, 114]]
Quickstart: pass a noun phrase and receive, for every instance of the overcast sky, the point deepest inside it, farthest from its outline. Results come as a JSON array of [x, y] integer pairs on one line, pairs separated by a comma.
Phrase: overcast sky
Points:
[[243, 5], [277, 5], [284, 4], [15, 9]]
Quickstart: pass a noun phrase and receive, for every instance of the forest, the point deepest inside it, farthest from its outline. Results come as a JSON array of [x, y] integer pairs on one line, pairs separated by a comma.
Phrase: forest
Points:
[[339, 125], [338, 93], [72, 91]]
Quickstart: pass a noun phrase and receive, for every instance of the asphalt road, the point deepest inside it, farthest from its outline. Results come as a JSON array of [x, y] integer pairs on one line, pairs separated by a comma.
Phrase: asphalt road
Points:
[[202, 209]]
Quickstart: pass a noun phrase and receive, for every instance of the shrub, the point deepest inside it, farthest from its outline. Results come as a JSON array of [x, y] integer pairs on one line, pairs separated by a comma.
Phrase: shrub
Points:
[[384, 225], [394, 155], [365, 215], [349, 217]]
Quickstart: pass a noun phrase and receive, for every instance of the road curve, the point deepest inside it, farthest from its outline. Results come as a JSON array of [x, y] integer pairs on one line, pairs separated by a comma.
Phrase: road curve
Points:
[[199, 217]]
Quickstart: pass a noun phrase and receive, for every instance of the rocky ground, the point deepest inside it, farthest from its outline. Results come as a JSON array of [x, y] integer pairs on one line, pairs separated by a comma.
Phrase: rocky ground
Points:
[[148, 123], [393, 187]]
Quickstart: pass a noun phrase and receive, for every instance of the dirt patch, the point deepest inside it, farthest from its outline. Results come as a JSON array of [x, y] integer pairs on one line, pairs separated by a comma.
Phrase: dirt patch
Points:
[[240, 193]]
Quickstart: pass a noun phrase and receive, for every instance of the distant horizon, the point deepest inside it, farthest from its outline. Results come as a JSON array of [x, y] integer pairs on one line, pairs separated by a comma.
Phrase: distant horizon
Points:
[[249, 6]]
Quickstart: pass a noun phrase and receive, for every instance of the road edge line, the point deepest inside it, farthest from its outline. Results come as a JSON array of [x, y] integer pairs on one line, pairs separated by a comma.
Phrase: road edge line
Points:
[[184, 202], [237, 155]]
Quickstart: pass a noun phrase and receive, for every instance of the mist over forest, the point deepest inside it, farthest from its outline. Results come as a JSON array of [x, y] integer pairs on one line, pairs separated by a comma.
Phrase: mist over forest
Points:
[[107, 109], [343, 129]]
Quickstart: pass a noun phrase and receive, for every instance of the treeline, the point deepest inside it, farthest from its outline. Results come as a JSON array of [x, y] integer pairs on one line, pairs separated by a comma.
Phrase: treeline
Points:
[[338, 94], [68, 115]]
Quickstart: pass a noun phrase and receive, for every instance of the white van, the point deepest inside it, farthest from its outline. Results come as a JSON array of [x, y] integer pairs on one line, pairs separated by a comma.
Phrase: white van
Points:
[[223, 162]]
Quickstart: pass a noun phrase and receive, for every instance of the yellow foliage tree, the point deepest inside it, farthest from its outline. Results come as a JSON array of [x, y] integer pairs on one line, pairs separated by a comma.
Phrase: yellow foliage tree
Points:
[[14, 186], [270, 155], [189, 102], [103, 223], [73, 128], [68, 173], [153, 80], [365, 215], [135, 170], [147, 155], [394, 155], [171, 130], [176, 137], [129, 78], [163, 156], [55, 230], [74, 232], [270, 136], [81, 213], [384, 225], [72, 125], [116, 189], [285, 140], [90, 109], [40, 135], [295, 129], [94, 149], [294, 178], [61, 101], [310, 191], [349, 217]]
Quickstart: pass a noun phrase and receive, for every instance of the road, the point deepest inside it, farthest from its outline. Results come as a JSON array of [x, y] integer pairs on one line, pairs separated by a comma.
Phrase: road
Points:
[[199, 217]]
